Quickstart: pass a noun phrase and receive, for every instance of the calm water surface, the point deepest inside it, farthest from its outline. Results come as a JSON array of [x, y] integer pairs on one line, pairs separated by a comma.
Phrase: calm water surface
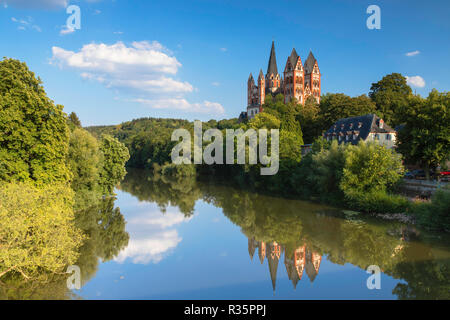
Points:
[[191, 240]]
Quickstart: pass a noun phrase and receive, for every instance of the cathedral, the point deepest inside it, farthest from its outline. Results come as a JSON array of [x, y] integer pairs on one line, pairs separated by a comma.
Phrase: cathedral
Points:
[[299, 81]]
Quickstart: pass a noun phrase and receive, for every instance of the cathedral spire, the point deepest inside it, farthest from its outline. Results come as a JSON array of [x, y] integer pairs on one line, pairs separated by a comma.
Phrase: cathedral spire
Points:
[[272, 67]]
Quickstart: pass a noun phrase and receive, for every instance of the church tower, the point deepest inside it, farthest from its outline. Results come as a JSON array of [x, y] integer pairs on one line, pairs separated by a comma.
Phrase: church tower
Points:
[[273, 80], [312, 78], [261, 90], [293, 78], [250, 89], [299, 81]]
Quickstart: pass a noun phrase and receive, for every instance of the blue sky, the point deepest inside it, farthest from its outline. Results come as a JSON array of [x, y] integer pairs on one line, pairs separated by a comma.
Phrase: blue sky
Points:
[[191, 59]]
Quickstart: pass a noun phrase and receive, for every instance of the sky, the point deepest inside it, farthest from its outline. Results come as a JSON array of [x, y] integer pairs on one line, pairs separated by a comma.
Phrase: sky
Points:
[[191, 59]]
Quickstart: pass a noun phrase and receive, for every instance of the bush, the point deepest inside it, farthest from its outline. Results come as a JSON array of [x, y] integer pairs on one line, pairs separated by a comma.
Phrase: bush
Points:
[[178, 171], [435, 214], [376, 202], [38, 235], [370, 167]]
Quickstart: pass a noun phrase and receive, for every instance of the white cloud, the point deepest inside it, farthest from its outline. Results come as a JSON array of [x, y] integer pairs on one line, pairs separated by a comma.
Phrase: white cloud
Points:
[[183, 105], [415, 81], [143, 58], [152, 235], [144, 69], [216, 84], [36, 4], [26, 24], [412, 53]]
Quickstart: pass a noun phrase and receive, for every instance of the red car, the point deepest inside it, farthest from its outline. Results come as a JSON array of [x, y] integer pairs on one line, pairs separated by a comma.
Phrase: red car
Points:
[[445, 175]]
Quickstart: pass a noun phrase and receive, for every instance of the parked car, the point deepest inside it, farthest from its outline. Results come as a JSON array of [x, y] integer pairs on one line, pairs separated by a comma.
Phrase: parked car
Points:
[[444, 175], [415, 174], [418, 174]]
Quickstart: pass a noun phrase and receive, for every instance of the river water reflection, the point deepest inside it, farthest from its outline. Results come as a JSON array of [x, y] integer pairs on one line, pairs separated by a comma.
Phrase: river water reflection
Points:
[[191, 240], [184, 239]]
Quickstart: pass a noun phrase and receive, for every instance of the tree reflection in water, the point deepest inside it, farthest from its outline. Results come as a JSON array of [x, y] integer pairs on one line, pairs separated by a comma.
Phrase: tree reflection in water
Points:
[[306, 233], [104, 226]]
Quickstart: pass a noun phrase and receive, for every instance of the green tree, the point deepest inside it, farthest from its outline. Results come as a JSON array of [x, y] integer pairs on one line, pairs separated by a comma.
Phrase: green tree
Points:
[[391, 94], [335, 106], [74, 121], [370, 167], [84, 159], [38, 233], [425, 137], [115, 155], [309, 120], [34, 133]]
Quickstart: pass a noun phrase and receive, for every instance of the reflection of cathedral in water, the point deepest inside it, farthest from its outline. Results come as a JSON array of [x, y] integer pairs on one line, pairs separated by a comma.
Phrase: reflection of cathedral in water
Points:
[[298, 261]]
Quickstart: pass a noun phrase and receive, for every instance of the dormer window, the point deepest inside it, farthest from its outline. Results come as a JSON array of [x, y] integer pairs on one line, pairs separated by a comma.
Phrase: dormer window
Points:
[[342, 126], [359, 125], [351, 125]]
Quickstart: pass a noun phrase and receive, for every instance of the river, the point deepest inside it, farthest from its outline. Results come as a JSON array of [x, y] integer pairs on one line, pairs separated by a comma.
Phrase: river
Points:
[[198, 240]]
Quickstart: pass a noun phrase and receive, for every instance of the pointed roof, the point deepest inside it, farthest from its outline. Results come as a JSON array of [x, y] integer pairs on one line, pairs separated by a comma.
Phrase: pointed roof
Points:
[[251, 247], [250, 77], [309, 63], [261, 74], [273, 267], [272, 67], [261, 251], [293, 57]]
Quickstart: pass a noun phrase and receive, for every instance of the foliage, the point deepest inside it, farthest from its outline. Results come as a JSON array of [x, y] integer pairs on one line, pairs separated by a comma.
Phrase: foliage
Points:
[[38, 234], [377, 201], [435, 214], [327, 169], [84, 160], [370, 167], [391, 94], [309, 120], [74, 121], [425, 137], [178, 172], [335, 106], [115, 155], [35, 135]]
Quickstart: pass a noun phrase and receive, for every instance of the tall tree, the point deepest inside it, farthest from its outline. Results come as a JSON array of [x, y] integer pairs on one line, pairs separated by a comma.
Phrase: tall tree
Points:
[[390, 94], [74, 120], [309, 120], [425, 137], [34, 134], [335, 106]]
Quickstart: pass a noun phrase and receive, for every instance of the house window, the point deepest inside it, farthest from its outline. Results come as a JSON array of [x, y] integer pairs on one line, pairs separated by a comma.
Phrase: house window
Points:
[[388, 137], [346, 137], [377, 137]]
